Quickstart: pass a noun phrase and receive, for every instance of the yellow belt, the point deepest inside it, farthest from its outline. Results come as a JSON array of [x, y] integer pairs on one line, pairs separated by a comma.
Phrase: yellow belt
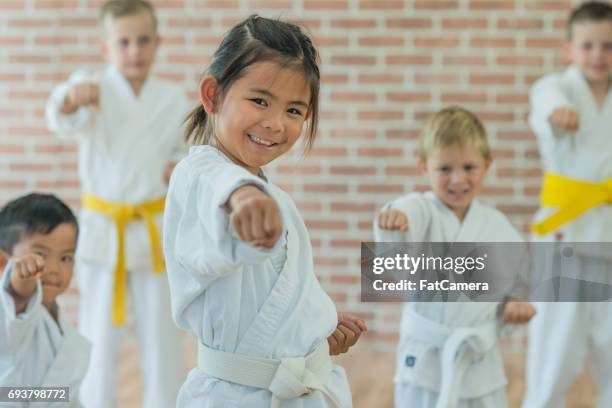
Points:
[[122, 214], [572, 197]]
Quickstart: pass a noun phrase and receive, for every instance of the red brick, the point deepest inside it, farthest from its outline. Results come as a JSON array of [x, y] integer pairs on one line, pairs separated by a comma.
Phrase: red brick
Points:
[[436, 5], [353, 23], [491, 5], [325, 5], [386, 41], [409, 23], [352, 170], [353, 133], [437, 42], [353, 96], [394, 5], [380, 115], [353, 207], [409, 60], [353, 60], [380, 78], [464, 97], [464, 23], [408, 97]]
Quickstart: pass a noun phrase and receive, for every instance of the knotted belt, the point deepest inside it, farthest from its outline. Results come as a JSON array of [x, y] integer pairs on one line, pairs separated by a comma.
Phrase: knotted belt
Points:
[[285, 378], [572, 197], [460, 347], [122, 214]]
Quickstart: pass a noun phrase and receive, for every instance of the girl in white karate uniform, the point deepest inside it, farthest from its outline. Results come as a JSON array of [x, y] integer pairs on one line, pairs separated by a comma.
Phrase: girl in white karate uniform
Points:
[[454, 155], [238, 254]]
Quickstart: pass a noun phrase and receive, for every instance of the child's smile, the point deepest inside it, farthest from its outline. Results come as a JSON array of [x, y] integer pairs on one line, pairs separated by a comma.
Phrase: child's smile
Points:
[[456, 175], [262, 114]]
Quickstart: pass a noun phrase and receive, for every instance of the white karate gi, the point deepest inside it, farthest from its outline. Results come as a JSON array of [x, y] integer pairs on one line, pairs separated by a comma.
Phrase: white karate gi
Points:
[[234, 297], [418, 384], [562, 334], [35, 351], [123, 150]]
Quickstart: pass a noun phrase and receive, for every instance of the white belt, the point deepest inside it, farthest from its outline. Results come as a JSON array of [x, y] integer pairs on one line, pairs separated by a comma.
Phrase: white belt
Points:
[[455, 359], [285, 378]]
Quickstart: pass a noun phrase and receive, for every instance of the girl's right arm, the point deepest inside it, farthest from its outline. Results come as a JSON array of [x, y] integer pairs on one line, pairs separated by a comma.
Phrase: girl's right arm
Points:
[[219, 217], [255, 216]]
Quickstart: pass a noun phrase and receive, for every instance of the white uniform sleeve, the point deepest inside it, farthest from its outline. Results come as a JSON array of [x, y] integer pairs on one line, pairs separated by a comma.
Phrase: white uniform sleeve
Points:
[[17, 327], [205, 242], [72, 126], [546, 95]]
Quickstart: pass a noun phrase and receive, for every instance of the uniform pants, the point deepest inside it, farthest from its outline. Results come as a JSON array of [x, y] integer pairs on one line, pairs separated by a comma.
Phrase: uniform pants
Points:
[[161, 359]]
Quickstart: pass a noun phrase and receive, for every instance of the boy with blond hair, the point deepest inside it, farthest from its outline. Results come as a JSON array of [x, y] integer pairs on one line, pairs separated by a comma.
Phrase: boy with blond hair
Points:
[[571, 115], [454, 155], [128, 125]]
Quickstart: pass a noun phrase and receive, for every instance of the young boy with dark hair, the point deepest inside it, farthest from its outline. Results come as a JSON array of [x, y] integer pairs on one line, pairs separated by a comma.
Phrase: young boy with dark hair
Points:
[[38, 348]]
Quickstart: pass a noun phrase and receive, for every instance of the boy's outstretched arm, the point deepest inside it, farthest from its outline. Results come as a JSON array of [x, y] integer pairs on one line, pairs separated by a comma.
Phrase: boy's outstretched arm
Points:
[[518, 312], [81, 94], [393, 220], [565, 118], [26, 271], [347, 333]]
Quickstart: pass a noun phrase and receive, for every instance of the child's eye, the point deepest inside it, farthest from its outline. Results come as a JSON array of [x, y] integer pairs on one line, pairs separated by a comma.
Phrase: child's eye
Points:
[[469, 167], [444, 169], [608, 46], [294, 111], [41, 254], [587, 46], [68, 258], [144, 40], [260, 101]]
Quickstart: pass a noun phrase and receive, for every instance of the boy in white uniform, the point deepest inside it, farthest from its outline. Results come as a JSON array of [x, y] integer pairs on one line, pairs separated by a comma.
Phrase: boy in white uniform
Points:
[[571, 114], [128, 125], [455, 156], [38, 347]]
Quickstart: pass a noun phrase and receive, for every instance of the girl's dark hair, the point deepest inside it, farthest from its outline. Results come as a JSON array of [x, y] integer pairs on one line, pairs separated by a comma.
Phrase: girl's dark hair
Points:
[[590, 11], [29, 215], [258, 39]]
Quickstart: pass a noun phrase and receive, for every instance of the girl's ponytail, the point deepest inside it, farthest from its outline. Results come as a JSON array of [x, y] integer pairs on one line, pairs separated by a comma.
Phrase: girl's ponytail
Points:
[[195, 132]]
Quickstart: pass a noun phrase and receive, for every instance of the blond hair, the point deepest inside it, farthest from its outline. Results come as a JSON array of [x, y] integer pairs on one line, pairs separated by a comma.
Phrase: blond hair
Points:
[[122, 8], [453, 126]]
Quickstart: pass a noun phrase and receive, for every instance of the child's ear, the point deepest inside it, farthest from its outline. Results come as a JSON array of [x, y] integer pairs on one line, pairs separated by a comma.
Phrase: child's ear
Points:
[[208, 93], [488, 162], [4, 258]]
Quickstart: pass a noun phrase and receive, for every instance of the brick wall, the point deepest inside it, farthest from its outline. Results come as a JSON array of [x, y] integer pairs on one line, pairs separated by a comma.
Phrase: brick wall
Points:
[[386, 65]]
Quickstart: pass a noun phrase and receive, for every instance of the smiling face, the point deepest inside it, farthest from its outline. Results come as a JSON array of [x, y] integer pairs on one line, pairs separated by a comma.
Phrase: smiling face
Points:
[[456, 175], [590, 49], [262, 114], [131, 44], [57, 250]]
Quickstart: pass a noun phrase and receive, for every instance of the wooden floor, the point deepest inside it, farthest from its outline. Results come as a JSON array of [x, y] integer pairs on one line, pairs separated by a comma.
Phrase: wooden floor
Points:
[[370, 374]]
